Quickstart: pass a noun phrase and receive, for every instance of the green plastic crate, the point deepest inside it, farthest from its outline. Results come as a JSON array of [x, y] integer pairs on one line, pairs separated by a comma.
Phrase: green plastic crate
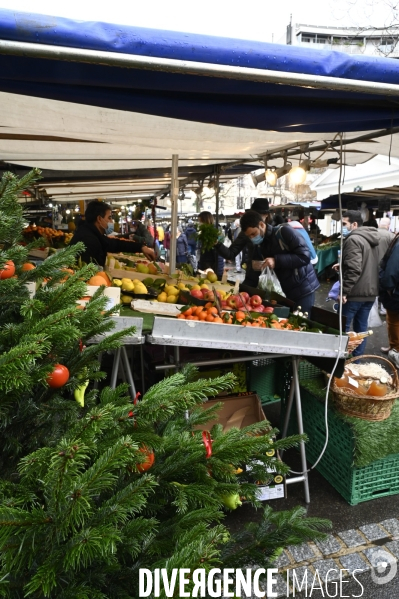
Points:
[[379, 479], [264, 379]]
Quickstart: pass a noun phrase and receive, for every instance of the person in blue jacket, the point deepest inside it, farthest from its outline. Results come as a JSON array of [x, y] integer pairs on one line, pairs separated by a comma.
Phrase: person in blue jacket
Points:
[[389, 296], [191, 235], [284, 250]]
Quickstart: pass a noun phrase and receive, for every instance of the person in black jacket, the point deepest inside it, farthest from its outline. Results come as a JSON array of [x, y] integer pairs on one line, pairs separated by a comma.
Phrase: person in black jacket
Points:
[[242, 244], [141, 234], [285, 251], [92, 233]]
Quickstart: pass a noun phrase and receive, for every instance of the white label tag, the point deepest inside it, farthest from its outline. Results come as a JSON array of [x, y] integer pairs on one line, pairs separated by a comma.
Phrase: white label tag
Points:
[[353, 382]]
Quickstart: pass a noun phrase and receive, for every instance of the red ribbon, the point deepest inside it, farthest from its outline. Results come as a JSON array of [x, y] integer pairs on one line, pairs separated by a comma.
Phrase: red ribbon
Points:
[[207, 441], [131, 413]]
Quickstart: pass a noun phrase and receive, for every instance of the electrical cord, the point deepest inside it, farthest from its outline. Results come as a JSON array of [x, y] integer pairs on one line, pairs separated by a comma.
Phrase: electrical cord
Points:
[[341, 337]]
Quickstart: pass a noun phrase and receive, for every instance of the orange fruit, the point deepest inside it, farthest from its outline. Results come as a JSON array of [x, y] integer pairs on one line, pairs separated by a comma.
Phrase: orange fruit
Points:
[[194, 318], [105, 277], [198, 310], [191, 317], [188, 312], [213, 310], [218, 319], [202, 315], [96, 281], [255, 324], [209, 305], [181, 316], [240, 315], [28, 266], [209, 318]]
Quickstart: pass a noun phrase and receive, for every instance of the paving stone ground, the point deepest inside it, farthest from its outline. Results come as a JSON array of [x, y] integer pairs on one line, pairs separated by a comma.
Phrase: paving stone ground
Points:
[[341, 556]]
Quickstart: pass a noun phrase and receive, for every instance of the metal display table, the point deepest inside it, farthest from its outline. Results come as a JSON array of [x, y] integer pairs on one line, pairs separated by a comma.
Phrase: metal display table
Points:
[[269, 341], [121, 359]]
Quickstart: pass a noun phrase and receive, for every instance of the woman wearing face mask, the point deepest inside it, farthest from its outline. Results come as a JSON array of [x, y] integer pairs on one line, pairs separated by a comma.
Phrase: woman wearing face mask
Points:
[[284, 250], [92, 233]]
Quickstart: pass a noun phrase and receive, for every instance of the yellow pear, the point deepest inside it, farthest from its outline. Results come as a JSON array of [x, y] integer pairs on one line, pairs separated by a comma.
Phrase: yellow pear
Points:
[[171, 299], [140, 289], [162, 297], [204, 286], [127, 286], [195, 287], [181, 286], [172, 291]]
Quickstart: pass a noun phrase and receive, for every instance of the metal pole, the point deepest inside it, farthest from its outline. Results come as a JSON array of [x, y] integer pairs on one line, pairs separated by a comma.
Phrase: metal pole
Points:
[[217, 192], [174, 198], [295, 366], [188, 67]]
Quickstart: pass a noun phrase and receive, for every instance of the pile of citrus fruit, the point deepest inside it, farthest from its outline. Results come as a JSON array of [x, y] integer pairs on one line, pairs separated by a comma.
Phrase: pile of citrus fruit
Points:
[[209, 313]]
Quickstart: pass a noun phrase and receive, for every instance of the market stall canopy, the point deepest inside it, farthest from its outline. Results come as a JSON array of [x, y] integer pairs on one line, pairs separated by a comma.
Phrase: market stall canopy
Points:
[[84, 97], [382, 199]]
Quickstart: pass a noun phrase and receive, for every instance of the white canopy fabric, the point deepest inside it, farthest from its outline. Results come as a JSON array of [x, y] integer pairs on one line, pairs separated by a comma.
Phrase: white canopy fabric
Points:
[[77, 139]]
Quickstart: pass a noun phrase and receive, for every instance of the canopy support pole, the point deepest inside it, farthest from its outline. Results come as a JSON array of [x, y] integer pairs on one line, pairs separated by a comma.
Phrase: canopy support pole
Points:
[[174, 198]]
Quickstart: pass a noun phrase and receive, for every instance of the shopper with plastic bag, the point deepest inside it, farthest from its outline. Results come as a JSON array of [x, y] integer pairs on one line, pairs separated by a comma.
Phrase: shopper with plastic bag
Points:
[[285, 251]]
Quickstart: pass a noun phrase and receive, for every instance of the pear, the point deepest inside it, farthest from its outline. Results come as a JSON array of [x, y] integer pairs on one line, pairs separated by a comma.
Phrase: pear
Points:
[[142, 268], [117, 282]]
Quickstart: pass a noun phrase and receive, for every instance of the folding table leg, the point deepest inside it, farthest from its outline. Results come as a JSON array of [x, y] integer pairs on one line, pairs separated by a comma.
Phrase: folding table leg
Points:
[[128, 372], [115, 368], [295, 366]]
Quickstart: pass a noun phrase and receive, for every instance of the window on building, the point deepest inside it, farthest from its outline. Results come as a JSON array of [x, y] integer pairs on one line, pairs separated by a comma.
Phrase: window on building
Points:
[[323, 39], [387, 45], [240, 203], [308, 38]]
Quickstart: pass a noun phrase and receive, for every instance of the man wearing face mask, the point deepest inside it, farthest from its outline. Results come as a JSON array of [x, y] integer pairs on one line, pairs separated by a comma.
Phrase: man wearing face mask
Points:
[[241, 244], [141, 234], [92, 231], [360, 259], [284, 250]]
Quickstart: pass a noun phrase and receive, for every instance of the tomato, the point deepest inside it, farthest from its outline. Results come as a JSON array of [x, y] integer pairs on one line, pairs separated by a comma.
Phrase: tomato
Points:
[[58, 377], [8, 271], [149, 462]]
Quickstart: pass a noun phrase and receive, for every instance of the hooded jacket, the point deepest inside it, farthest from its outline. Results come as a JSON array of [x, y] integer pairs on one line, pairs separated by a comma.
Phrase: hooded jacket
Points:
[[360, 258], [389, 279]]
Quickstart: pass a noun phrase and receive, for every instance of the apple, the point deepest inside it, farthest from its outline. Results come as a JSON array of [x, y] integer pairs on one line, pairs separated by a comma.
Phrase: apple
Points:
[[223, 303], [208, 296], [268, 310], [256, 300], [260, 308], [245, 296], [249, 307], [220, 296], [196, 293], [231, 301], [240, 301]]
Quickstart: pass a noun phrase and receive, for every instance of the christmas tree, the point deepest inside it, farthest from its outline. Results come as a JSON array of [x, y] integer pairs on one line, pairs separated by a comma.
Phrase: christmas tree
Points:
[[89, 495]]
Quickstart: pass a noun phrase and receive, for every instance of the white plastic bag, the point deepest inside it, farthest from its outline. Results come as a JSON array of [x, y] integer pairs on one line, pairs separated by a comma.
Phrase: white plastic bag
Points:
[[269, 282], [374, 318]]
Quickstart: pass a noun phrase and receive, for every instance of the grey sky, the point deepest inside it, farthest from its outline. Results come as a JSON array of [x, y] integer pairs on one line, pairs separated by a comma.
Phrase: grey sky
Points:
[[264, 20]]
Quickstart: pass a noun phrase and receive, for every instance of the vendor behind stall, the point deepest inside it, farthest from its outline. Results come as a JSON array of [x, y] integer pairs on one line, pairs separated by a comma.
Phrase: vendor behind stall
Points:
[[284, 250], [140, 233], [91, 232]]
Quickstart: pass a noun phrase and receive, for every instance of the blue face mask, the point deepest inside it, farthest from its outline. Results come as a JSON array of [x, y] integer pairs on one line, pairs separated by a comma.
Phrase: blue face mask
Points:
[[109, 229], [257, 240], [345, 231]]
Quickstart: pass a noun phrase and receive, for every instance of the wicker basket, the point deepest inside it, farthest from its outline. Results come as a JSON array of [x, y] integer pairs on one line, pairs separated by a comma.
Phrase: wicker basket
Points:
[[366, 407]]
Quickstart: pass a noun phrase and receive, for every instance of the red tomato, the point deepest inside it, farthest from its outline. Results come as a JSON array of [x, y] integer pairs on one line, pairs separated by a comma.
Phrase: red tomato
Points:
[[150, 459], [58, 377], [8, 271]]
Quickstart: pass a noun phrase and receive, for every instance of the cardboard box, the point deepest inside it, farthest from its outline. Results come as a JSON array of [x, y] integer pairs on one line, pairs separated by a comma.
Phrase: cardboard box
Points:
[[237, 411], [112, 293]]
